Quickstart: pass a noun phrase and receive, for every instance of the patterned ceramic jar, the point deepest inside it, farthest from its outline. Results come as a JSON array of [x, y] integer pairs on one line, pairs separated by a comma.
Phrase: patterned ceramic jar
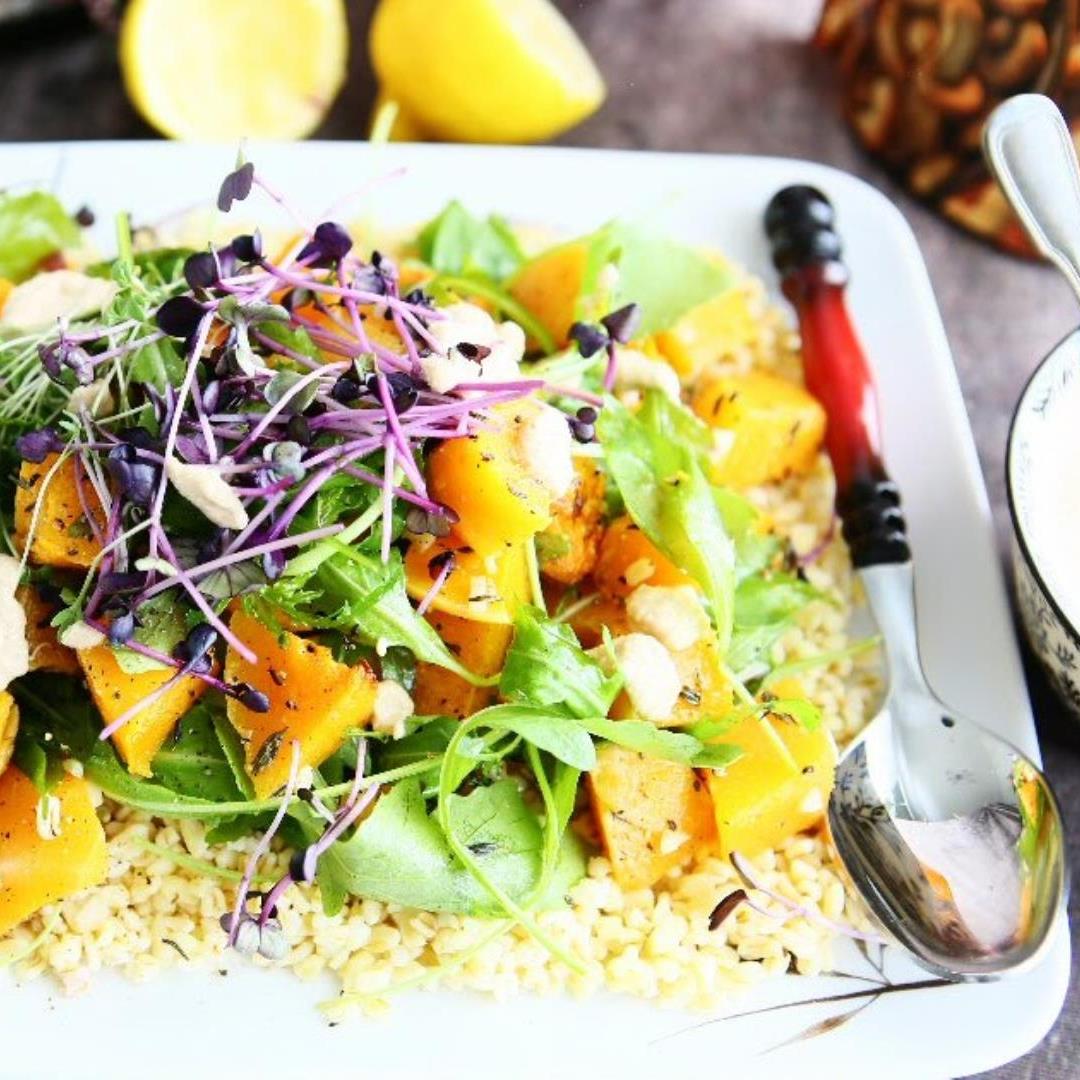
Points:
[[1044, 499]]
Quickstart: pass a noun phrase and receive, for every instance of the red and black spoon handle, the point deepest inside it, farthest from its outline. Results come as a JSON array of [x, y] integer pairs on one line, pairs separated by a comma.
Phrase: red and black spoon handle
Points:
[[806, 250]]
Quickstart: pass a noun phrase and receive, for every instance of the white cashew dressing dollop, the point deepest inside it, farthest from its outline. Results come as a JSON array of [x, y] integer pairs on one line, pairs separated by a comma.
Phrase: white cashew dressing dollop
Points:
[[652, 679], [207, 490], [636, 371], [80, 635], [467, 324], [393, 706], [546, 449], [58, 294], [671, 613], [95, 398], [14, 648]]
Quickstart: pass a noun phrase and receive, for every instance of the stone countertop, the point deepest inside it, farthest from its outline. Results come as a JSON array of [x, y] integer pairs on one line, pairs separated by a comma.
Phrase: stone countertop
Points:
[[733, 76]]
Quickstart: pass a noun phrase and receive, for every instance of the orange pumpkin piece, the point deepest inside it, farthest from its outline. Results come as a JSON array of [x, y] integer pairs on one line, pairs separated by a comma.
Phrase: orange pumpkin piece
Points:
[[776, 428], [61, 535], [628, 558], [481, 647], [569, 546], [709, 332], [6, 287], [707, 693], [114, 692], [9, 728], [35, 871], [484, 479], [480, 588], [549, 287], [46, 652], [314, 700], [604, 611], [652, 815], [779, 787]]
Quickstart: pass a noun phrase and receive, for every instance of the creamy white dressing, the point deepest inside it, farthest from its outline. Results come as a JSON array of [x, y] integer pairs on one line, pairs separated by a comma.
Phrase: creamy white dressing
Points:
[[207, 490], [1052, 513], [58, 294], [14, 649]]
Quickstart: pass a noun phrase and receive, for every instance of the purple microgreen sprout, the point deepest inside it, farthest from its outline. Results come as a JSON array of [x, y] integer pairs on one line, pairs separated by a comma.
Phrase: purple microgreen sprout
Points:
[[262, 847], [36, 446], [236, 187]]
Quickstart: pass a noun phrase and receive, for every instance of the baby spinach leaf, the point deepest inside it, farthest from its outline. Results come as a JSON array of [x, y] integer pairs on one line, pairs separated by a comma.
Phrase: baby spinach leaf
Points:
[[400, 855], [161, 626], [545, 665], [664, 277], [32, 226], [669, 498], [456, 242]]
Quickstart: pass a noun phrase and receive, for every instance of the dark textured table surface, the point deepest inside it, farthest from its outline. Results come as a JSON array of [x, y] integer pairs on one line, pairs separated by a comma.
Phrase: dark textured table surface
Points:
[[720, 75]]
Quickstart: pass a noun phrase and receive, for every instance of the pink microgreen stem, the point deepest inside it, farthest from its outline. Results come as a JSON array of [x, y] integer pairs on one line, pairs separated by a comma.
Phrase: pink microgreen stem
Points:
[[275, 410], [174, 427], [110, 730], [240, 556], [744, 868], [183, 578], [264, 845], [387, 500], [436, 587]]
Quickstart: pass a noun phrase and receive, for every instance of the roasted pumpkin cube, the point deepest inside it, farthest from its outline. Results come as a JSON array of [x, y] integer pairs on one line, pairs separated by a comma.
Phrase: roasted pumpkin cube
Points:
[[707, 692], [35, 871], [46, 652], [9, 728], [479, 588], [590, 621], [569, 546], [115, 691], [61, 534], [807, 795], [775, 427], [481, 647], [652, 815], [628, 558], [314, 700], [716, 329], [549, 287], [486, 481], [778, 788]]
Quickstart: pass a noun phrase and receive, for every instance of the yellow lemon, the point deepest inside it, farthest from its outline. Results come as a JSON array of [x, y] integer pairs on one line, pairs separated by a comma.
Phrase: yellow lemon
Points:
[[484, 70], [231, 69]]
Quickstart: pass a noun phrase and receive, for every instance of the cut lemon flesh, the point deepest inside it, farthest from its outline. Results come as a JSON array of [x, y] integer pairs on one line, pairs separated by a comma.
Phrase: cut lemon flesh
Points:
[[222, 70], [484, 70]]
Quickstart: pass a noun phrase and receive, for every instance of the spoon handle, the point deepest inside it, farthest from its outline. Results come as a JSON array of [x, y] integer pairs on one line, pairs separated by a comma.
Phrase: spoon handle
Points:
[[1029, 149], [806, 250]]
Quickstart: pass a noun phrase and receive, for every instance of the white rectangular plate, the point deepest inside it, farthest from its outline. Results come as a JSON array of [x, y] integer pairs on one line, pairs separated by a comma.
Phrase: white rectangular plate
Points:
[[265, 1023]]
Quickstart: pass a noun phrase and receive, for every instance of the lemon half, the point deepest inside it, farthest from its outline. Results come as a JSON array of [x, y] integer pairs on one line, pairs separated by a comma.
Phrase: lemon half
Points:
[[484, 70], [231, 69]]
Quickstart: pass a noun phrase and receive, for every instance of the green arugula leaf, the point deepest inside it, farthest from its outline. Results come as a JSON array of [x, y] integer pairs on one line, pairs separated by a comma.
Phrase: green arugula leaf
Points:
[[664, 277], [195, 762], [669, 498], [662, 743], [295, 338], [360, 595], [765, 606], [558, 734], [400, 855], [546, 666], [456, 242], [32, 226], [427, 743]]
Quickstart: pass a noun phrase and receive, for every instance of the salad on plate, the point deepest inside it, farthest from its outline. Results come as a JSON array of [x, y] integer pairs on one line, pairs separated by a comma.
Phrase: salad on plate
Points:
[[457, 609]]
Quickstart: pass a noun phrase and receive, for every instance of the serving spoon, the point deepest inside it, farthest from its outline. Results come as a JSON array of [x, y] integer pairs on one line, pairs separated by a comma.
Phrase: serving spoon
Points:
[[951, 835]]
